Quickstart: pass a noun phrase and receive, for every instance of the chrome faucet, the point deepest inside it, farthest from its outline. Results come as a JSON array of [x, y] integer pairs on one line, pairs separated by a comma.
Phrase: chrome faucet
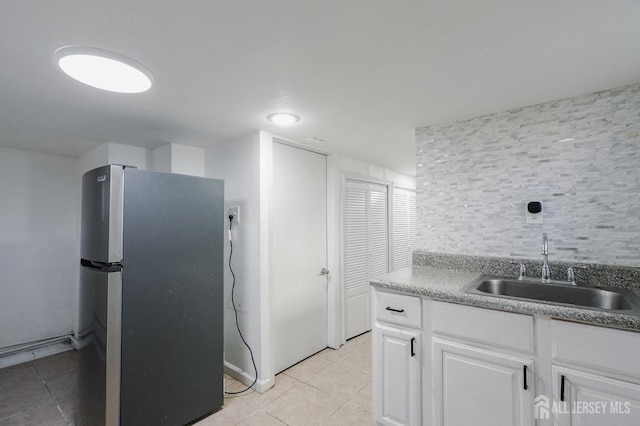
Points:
[[546, 272]]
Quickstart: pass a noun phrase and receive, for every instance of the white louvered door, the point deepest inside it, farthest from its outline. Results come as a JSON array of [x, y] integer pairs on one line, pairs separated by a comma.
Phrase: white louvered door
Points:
[[404, 227], [366, 250], [378, 231]]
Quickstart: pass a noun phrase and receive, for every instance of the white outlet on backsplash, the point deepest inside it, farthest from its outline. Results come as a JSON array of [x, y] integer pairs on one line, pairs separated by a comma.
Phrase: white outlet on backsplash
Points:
[[533, 212]]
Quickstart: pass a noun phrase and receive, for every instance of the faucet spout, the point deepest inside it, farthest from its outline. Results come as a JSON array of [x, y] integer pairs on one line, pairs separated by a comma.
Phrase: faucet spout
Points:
[[546, 271]]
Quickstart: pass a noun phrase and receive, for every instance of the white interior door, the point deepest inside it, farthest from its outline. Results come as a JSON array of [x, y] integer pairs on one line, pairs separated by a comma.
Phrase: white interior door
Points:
[[299, 253]]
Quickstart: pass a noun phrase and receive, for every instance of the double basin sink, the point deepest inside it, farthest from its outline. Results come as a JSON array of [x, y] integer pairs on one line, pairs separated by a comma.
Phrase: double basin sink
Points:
[[609, 299]]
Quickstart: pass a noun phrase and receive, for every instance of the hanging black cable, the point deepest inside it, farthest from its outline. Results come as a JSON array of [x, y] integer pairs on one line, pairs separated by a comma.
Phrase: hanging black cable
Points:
[[235, 310]]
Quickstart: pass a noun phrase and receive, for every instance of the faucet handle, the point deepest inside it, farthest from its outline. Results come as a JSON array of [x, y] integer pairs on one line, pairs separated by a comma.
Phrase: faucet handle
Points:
[[523, 269], [571, 276]]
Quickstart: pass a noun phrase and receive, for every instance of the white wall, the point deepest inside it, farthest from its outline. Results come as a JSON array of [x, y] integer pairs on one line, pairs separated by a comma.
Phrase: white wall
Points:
[[128, 155], [175, 158], [114, 153], [237, 162], [161, 159], [38, 246], [352, 167], [169, 158], [41, 221], [242, 164], [187, 160], [40, 240]]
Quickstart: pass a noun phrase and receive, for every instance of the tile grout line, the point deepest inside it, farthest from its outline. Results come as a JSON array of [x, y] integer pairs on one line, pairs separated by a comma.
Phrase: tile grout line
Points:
[[31, 364], [53, 398], [343, 403], [304, 383], [268, 414]]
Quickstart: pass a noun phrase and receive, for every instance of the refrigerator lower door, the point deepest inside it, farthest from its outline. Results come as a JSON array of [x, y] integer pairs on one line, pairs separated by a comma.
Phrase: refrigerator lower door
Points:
[[99, 340]]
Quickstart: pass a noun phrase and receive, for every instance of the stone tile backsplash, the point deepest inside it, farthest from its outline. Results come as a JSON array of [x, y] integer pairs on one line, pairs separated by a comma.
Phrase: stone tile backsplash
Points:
[[579, 156]]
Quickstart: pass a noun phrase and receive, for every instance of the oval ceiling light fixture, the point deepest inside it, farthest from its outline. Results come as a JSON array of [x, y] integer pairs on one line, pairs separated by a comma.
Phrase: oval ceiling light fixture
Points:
[[104, 69], [283, 118]]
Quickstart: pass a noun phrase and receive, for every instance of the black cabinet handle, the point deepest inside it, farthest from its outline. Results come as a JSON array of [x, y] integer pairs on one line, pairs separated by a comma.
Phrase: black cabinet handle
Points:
[[524, 374], [413, 351], [562, 388], [389, 308]]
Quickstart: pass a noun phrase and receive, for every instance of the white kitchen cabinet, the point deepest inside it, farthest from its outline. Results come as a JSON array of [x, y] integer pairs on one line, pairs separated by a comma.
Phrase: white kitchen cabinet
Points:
[[396, 376], [585, 399], [596, 375], [482, 366], [397, 355], [479, 387]]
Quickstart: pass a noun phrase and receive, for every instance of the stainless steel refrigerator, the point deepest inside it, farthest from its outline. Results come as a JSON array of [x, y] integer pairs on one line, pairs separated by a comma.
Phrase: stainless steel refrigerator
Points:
[[151, 298]]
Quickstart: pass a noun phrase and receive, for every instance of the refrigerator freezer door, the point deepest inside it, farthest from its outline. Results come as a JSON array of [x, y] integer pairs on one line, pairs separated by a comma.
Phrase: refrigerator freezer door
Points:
[[102, 194], [99, 347], [172, 298]]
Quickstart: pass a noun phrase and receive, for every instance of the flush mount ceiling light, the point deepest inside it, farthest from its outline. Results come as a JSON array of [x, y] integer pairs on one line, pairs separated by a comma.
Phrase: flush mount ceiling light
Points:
[[283, 118], [104, 69]]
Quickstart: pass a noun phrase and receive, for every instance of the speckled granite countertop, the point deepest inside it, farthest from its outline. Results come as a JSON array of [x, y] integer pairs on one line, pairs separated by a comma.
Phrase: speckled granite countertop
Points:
[[447, 285]]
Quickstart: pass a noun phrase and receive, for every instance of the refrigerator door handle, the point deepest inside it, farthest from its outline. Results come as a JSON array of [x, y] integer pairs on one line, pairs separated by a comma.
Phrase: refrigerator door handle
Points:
[[103, 267]]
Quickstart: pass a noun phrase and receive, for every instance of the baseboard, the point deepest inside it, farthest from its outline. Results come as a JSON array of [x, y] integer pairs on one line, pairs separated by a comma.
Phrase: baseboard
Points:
[[26, 352], [242, 376]]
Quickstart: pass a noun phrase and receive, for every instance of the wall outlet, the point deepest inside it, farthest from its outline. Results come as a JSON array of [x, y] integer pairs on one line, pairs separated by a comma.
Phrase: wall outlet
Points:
[[533, 212], [235, 212]]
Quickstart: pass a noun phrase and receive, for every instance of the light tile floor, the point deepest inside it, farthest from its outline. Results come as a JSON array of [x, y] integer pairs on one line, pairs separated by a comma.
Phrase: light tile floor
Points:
[[40, 392], [332, 387]]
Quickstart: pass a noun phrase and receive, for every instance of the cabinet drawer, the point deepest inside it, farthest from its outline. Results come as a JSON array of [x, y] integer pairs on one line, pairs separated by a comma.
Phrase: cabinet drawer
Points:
[[599, 347], [398, 309], [503, 329]]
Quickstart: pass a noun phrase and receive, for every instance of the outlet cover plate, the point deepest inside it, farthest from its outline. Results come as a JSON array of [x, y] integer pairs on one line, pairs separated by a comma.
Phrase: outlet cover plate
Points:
[[532, 218], [235, 212]]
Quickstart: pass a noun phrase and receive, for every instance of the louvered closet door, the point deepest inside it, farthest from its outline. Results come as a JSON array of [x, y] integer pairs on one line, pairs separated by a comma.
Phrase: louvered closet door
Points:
[[404, 227], [366, 250], [378, 231]]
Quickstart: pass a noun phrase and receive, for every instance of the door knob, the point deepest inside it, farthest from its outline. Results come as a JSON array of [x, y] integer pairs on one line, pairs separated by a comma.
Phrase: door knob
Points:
[[324, 271]]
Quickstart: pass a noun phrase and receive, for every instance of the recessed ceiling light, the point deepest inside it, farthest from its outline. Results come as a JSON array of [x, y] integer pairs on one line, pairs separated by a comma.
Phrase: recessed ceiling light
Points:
[[104, 69], [283, 118]]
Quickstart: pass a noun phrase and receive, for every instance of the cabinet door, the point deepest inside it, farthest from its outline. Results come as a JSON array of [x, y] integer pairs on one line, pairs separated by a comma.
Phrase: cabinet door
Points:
[[585, 399], [478, 387], [396, 376]]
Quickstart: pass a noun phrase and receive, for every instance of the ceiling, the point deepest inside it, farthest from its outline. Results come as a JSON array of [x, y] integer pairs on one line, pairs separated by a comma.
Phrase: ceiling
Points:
[[362, 74]]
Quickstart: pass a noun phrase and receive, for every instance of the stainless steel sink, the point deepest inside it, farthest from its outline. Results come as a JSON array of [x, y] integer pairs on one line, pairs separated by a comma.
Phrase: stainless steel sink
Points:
[[608, 299]]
